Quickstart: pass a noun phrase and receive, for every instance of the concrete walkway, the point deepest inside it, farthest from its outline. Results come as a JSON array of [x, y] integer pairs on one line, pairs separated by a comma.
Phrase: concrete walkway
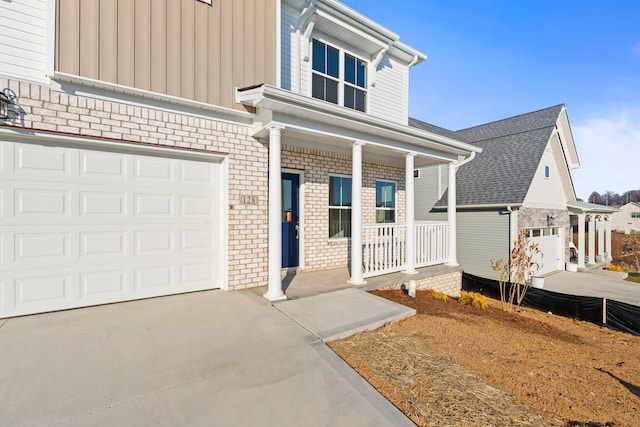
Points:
[[202, 359], [594, 283]]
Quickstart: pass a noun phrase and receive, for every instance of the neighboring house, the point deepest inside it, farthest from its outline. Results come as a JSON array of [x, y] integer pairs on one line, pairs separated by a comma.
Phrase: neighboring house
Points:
[[628, 219], [161, 147], [522, 180]]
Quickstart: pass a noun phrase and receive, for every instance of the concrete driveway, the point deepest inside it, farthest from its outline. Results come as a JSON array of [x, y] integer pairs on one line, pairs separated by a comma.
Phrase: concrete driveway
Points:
[[202, 359], [597, 284]]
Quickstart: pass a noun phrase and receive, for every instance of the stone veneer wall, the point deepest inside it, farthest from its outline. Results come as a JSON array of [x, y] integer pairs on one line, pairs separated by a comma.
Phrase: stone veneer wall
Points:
[[320, 252], [537, 218], [41, 108]]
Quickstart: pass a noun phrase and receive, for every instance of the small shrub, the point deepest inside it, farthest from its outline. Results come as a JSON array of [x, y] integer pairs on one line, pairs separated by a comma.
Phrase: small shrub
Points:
[[474, 299], [438, 295], [614, 267]]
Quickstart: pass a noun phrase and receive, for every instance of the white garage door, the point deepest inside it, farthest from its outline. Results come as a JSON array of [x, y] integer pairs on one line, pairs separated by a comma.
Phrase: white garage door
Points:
[[550, 244], [82, 226]]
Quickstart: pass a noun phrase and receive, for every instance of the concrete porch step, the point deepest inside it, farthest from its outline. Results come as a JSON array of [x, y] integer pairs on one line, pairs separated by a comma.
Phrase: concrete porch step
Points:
[[336, 315]]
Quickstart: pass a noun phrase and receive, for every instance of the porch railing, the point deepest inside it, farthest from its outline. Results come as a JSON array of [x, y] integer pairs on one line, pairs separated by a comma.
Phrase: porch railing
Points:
[[384, 246]]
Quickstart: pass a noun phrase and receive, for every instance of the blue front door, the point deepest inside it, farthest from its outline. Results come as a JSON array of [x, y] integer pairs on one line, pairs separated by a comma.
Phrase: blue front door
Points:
[[290, 219]]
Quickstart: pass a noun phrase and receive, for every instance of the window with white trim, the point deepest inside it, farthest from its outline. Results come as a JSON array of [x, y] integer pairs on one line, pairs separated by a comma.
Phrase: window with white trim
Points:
[[547, 172], [385, 201], [339, 207], [338, 77]]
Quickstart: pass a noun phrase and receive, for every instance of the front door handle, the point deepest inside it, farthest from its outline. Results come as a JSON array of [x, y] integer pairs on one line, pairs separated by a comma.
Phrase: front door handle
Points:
[[297, 231]]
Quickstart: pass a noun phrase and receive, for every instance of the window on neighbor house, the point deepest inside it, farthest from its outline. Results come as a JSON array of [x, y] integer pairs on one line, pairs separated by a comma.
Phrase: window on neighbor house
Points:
[[635, 214], [385, 201], [339, 82], [547, 172], [339, 207]]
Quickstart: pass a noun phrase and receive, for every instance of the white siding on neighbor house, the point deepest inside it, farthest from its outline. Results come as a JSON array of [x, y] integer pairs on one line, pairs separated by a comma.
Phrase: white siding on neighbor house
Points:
[[429, 188], [388, 98], [23, 39], [544, 192], [482, 236], [623, 222]]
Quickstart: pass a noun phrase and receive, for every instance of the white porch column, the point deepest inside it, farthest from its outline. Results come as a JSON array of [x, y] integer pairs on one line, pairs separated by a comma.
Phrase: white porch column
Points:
[[410, 214], [592, 240], [274, 291], [356, 215], [581, 248], [607, 244], [451, 215], [601, 236]]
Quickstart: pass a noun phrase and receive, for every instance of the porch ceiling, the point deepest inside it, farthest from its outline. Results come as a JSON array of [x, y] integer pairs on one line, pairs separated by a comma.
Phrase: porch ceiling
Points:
[[308, 121]]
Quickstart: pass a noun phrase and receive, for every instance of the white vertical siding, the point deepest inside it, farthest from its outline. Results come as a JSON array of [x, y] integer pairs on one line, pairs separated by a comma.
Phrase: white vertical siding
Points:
[[387, 99], [548, 193], [23, 39]]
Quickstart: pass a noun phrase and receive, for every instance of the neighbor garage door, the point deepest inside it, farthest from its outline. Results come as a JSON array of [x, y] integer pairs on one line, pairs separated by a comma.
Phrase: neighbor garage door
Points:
[[549, 242], [85, 225]]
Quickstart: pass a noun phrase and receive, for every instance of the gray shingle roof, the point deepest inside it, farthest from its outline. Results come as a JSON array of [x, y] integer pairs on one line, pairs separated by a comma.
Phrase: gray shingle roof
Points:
[[512, 149]]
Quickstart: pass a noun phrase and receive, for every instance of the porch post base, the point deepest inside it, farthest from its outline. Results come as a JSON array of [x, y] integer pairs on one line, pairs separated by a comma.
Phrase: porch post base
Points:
[[273, 298], [410, 271], [357, 282], [453, 264]]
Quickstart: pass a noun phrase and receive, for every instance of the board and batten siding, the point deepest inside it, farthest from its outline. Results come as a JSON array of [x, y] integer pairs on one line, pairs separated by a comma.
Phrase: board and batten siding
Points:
[[23, 39], [182, 48], [289, 42]]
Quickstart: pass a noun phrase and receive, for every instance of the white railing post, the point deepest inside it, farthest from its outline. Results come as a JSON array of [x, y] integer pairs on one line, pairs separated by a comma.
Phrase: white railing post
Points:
[[581, 246], [451, 215]]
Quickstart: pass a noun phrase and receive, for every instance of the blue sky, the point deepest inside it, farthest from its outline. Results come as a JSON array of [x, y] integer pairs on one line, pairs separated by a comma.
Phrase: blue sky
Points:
[[493, 59]]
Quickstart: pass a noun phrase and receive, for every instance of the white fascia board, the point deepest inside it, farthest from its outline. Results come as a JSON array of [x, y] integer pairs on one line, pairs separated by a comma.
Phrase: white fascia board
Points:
[[564, 128], [591, 208], [112, 92], [271, 98], [357, 20]]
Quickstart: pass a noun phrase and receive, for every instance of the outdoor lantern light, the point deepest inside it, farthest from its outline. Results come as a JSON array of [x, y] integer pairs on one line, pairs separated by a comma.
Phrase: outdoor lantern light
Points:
[[4, 106], [551, 220]]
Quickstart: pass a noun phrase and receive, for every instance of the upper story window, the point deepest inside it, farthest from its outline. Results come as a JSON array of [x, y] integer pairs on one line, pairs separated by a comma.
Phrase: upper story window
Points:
[[338, 77], [635, 214], [547, 172]]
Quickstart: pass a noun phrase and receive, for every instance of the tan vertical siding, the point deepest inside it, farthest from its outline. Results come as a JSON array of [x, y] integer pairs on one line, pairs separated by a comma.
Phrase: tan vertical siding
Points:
[[200, 52], [142, 44], [68, 28], [183, 48], [159, 46], [89, 42], [126, 48], [108, 45]]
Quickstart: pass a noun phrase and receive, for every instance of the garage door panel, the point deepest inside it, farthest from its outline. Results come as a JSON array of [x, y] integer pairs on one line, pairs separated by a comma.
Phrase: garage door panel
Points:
[[82, 226], [42, 248], [97, 285], [153, 204], [42, 203], [42, 160], [103, 203], [103, 165], [156, 170], [154, 241], [42, 291], [100, 244]]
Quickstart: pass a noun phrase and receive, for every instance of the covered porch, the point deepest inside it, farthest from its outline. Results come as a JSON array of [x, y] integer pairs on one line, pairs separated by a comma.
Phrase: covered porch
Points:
[[594, 224], [322, 150]]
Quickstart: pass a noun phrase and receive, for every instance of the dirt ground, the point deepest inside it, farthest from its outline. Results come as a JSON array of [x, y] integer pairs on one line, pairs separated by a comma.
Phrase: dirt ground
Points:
[[455, 365]]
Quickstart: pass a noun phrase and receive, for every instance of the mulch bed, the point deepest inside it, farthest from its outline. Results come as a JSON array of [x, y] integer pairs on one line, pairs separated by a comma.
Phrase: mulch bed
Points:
[[455, 365]]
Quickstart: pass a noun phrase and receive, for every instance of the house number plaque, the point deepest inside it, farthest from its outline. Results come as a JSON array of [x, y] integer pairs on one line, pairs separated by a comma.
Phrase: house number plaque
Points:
[[249, 200]]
